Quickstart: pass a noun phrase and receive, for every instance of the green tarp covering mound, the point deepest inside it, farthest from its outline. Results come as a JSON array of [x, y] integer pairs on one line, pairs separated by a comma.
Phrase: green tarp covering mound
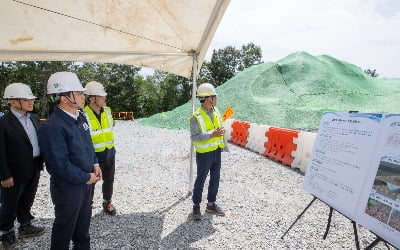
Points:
[[294, 92]]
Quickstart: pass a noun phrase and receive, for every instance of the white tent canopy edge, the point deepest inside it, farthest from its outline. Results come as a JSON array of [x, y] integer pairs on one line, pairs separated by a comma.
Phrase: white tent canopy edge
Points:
[[153, 33], [171, 36]]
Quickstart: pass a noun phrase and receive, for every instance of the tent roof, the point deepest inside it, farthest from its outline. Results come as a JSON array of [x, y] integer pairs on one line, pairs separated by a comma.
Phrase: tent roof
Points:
[[164, 35]]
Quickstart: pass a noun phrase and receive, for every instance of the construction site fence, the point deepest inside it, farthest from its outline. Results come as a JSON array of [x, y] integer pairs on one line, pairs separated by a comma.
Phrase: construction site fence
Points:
[[123, 115], [290, 147], [116, 116]]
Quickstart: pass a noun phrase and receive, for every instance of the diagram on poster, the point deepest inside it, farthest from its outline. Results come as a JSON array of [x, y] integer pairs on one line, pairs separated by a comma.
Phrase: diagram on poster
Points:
[[355, 168], [379, 209]]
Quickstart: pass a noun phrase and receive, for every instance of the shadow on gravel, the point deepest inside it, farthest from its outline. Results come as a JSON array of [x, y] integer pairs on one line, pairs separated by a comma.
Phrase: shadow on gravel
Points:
[[133, 231], [126, 231], [144, 230], [187, 233]]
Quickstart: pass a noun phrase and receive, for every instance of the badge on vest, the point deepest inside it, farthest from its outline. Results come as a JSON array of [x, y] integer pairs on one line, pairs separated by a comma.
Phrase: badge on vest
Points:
[[85, 126]]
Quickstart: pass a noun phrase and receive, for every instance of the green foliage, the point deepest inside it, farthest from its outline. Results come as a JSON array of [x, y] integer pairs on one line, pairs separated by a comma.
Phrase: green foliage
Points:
[[251, 55], [227, 62], [35, 74], [122, 83], [372, 202], [371, 73], [170, 90], [127, 90]]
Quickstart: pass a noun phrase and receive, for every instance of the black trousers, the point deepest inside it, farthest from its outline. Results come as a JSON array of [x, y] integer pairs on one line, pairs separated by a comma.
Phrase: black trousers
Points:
[[16, 202], [72, 215], [108, 171]]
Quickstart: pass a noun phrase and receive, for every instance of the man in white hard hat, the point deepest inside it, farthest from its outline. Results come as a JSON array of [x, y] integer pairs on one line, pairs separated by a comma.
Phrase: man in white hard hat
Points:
[[20, 164], [207, 135], [71, 162], [101, 125]]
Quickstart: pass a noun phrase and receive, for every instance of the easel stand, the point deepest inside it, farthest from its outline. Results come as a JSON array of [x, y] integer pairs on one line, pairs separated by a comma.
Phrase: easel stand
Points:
[[376, 241], [329, 223]]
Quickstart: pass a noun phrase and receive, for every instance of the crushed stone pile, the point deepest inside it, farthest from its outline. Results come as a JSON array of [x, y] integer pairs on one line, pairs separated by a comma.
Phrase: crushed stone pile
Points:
[[294, 92]]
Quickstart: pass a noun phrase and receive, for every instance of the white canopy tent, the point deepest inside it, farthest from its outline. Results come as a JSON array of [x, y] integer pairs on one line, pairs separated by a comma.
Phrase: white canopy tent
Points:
[[164, 35], [172, 36]]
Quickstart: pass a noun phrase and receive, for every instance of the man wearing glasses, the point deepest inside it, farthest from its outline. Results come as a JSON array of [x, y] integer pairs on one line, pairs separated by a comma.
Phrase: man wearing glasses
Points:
[[207, 135], [20, 165]]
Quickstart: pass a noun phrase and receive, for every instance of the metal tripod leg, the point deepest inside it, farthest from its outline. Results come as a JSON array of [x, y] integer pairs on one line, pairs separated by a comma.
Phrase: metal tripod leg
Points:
[[299, 216], [354, 227], [374, 243], [328, 226], [356, 235]]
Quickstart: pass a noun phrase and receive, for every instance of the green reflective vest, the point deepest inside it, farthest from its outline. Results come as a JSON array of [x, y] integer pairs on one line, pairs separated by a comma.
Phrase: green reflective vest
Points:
[[102, 134], [207, 126]]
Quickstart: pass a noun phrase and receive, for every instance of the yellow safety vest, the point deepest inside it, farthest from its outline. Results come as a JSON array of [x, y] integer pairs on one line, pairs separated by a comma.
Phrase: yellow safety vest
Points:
[[102, 134], [206, 126]]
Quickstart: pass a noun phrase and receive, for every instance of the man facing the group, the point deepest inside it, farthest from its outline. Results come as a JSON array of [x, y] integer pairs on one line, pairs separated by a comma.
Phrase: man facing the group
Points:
[[207, 135]]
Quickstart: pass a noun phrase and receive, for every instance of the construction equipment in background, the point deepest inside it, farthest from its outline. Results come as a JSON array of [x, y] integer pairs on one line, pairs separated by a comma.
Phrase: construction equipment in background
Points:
[[123, 116], [116, 116], [229, 112]]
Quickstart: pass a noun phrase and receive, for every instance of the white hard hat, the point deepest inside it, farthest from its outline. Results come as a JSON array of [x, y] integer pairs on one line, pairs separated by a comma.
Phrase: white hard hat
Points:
[[62, 82], [206, 89], [18, 91], [95, 88]]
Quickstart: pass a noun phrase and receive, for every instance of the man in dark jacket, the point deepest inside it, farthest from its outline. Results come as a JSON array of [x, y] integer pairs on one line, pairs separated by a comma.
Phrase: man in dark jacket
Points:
[[20, 164], [71, 162]]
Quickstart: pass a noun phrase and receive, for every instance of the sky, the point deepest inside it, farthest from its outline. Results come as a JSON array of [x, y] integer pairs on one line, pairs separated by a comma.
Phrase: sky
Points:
[[362, 32]]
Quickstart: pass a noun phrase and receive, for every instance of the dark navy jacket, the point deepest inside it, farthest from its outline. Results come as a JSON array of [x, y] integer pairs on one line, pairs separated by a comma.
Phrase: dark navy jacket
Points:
[[67, 148]]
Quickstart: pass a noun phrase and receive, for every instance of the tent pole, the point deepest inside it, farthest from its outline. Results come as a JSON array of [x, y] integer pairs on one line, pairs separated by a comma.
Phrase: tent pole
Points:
[[194, 88]]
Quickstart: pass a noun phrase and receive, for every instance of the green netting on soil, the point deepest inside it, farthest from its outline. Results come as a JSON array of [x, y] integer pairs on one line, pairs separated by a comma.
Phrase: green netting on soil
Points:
[[294, 92]]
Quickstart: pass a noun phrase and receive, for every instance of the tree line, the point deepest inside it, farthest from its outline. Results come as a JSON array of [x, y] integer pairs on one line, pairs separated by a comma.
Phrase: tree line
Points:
[[127, 89]]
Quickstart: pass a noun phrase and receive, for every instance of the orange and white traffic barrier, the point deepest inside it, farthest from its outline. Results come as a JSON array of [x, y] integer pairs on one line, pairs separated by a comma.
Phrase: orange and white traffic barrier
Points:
[[280, 144], [240, 132], [290, 147], [257, 139], [227, 124], [305, 143]]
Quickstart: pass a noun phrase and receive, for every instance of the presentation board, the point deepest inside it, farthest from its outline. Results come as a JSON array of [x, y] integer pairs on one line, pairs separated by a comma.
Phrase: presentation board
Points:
[[355, 168]]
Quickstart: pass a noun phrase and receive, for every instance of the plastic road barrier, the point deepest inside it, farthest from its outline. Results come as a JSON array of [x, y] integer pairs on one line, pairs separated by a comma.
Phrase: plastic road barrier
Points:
[[305, 143], [228, 128], [240, 133], [280, 145], [257, 139]]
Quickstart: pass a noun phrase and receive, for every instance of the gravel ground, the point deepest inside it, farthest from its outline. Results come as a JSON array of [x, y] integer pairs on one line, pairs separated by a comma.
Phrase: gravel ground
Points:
[[261, 199]]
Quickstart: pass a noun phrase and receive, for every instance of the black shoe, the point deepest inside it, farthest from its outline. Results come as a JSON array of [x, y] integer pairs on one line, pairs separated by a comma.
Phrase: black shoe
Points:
[[215, 209], [8, 240], [109, 208], [196, 212], [30, 230]]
